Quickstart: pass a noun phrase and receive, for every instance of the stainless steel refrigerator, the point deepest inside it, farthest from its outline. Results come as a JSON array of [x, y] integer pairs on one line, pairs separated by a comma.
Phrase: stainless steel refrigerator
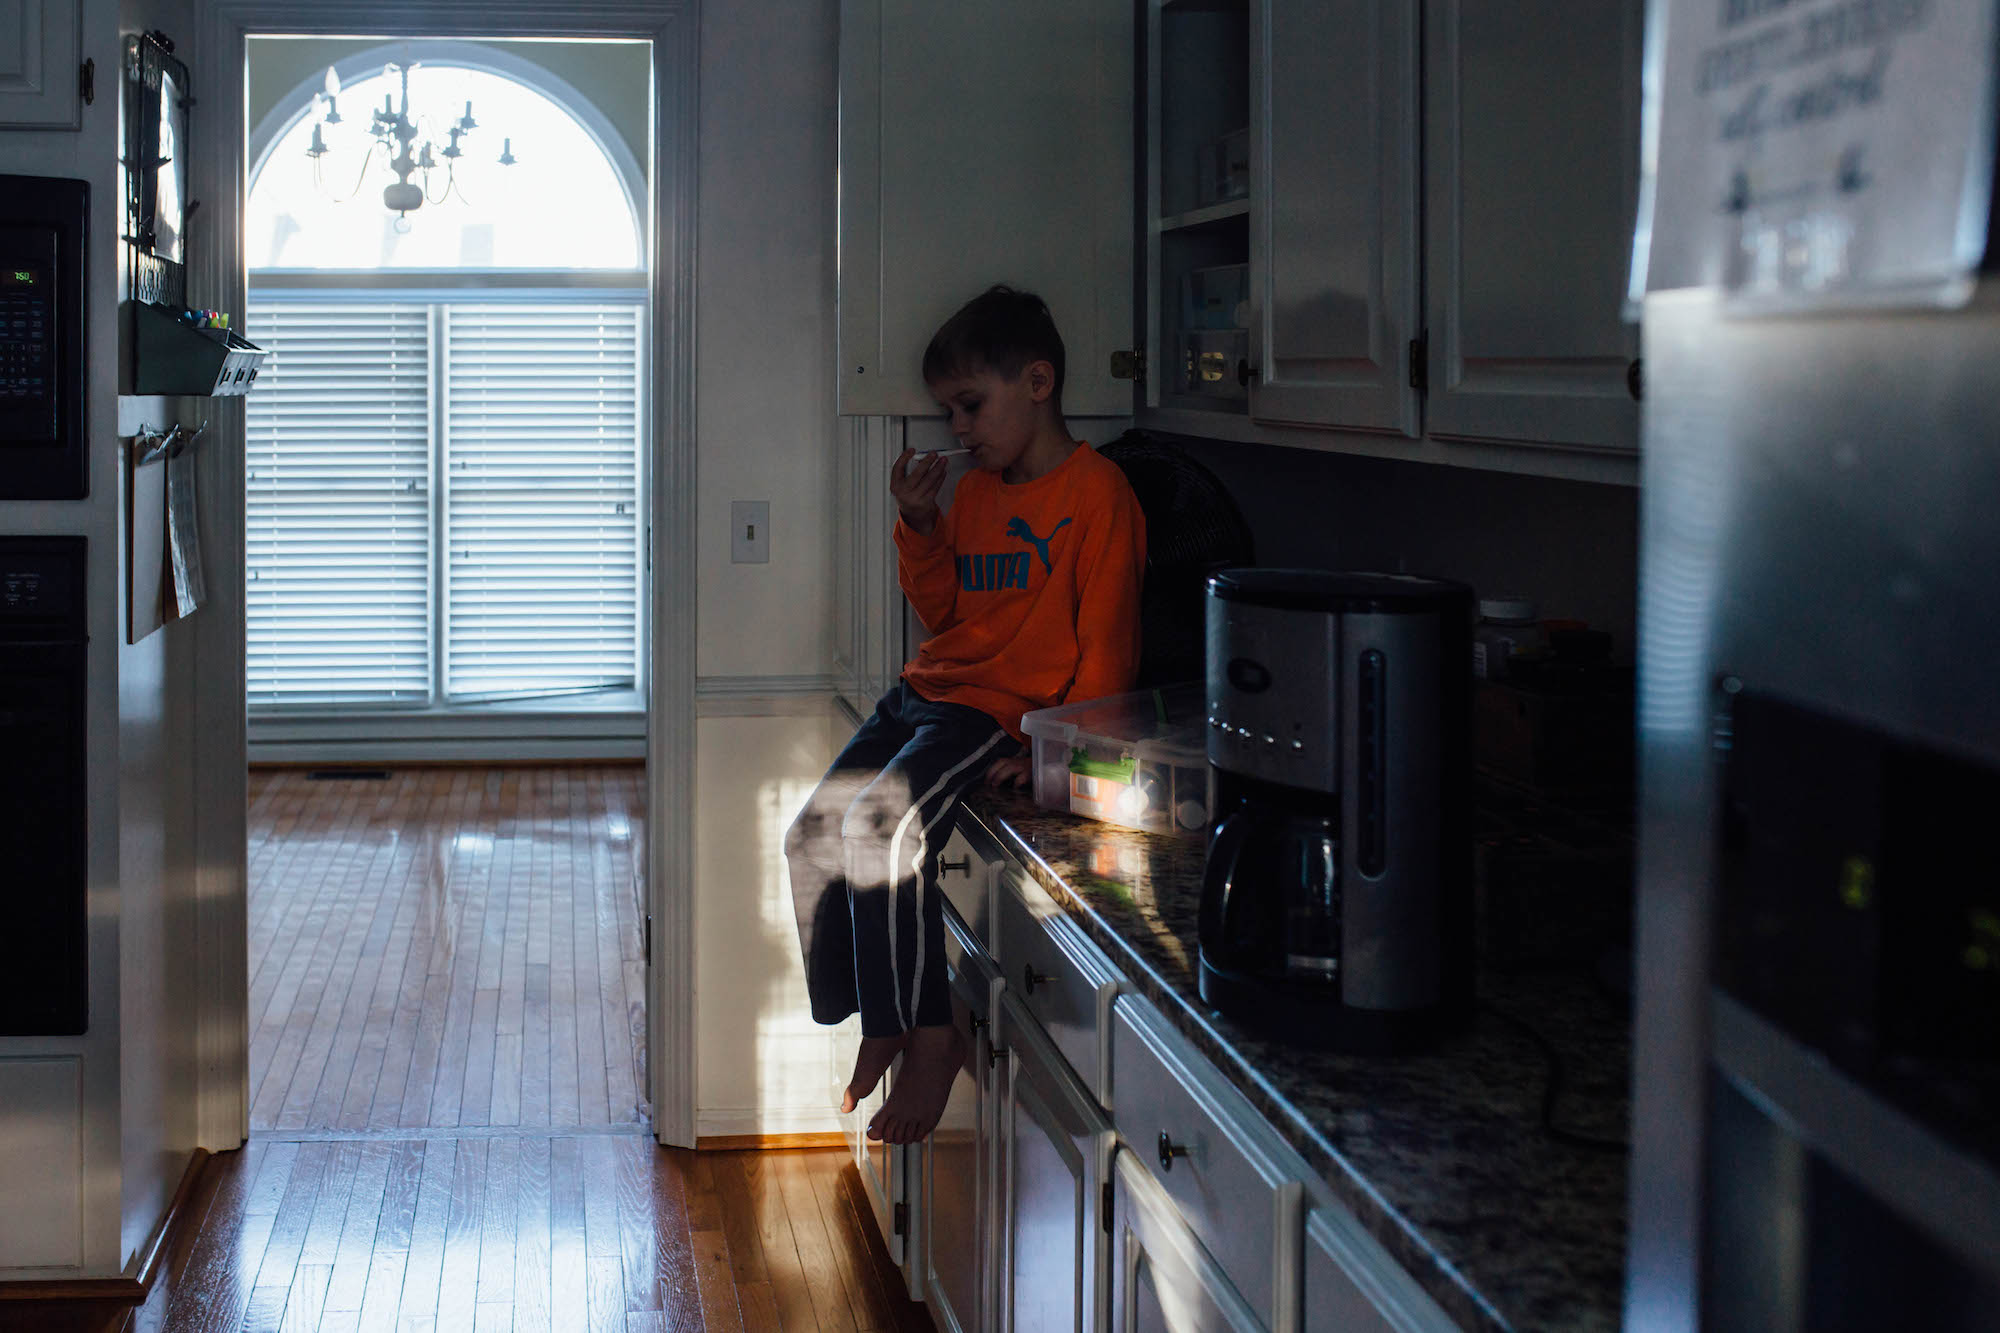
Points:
[[1817, 1056]]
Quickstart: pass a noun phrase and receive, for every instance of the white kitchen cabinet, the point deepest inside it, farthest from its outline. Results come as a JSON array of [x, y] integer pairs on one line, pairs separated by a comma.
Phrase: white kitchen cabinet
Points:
[[1033, 1208], [1050, 1131], [1434, 238], [983, 144], [1531, 148], [1161, 1281], [41, 51], [955, 1213], [1334, 223]]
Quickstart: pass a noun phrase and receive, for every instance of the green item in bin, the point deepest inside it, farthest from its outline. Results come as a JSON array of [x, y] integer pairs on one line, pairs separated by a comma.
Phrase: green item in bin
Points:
[[1115, 770]]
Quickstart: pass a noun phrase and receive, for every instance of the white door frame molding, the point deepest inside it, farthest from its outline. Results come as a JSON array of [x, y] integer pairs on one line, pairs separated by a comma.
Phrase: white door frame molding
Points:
[[220, 757]]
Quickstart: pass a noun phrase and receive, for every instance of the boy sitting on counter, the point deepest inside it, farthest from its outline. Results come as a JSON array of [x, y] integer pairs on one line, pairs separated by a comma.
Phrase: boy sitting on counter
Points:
[[1029, 585]]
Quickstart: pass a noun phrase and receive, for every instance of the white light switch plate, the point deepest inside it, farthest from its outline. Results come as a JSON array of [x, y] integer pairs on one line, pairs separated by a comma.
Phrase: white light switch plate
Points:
[[750, 532]]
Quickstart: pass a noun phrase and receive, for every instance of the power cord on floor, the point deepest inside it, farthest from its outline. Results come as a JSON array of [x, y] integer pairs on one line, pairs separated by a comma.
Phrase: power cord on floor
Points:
[[1553, 1088]]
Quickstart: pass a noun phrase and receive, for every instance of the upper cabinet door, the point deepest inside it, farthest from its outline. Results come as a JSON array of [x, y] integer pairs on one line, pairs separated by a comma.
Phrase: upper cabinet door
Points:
[[1333, 233], [979, 144], [41, 48], [1532, 152]]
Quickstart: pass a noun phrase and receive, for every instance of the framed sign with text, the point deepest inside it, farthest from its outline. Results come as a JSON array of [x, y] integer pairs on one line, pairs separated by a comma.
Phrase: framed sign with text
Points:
[[1811, 154]]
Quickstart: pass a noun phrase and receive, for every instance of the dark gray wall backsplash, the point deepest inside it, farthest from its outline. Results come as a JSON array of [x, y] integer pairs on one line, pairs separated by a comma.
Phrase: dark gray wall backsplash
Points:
[[1572, 546]]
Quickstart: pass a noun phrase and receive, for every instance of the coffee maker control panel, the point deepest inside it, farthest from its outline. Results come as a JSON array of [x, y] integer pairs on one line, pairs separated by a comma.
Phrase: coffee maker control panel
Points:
[[1272, 694]]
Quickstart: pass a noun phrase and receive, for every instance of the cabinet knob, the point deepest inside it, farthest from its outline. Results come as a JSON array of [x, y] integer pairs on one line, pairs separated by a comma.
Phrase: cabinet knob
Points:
[[1245, 372], [963, 867], [977, 1024], [1170, 1150], [1031, 979], [994, 1055], [1635, 379]]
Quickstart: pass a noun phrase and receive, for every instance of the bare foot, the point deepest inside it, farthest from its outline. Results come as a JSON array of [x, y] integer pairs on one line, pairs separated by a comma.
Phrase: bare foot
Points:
[[931, 1062], [870, 1063]]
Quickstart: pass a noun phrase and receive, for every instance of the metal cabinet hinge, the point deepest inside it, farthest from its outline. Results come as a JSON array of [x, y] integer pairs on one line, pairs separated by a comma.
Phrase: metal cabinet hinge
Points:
[[902, 1219], [86, 82], [1105, 1207], [648, 942], [1129, 365], [1420, 362]]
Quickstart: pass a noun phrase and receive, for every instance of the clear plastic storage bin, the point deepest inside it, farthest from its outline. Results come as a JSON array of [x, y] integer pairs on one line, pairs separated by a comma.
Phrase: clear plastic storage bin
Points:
[[1137, 760]]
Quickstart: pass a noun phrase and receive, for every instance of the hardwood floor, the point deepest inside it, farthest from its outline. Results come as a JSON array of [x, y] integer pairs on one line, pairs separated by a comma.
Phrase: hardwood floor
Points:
[[603, 1231], [447, 948], [447, 1067]]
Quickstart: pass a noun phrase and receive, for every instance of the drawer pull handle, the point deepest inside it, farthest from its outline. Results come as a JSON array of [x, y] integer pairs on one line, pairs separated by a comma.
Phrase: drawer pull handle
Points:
[[963, 867], [1170, 1150], [1031, 979], [994, 1055]]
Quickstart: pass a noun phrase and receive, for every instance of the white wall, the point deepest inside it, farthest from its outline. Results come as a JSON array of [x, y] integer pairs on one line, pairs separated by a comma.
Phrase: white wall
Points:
[[764, 306], [132, 1125], [764, 301], [1571, 545], [765, 1066]]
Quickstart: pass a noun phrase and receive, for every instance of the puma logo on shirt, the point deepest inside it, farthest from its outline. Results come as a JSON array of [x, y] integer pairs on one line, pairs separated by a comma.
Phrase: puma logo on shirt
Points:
[[1007, 569], [1018, 527]]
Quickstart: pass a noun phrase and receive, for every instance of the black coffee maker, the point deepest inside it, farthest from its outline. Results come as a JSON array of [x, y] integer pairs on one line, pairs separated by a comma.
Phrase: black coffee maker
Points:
[[1337, 895]]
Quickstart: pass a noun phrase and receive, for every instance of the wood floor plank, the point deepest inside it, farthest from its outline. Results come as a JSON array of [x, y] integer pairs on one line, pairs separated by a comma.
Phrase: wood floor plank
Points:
[[736, 1215], [497, 1230], [222, 1267], [532, 1225], [569, 1260], [764, 1195], [607, 1293], [873, 1307], [458, 1288], [295, 1211], [305, 1307], [825, 1279], [321, 1242], [717, 1289], [675, 1270], [354, 1254], [429, 1225]]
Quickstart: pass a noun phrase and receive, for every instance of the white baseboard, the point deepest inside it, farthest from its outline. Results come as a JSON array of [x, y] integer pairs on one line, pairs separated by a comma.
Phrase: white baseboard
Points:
[[732, 1121]]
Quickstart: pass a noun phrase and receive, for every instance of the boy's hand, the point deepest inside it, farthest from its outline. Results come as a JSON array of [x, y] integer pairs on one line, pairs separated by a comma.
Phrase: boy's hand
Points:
[[915, 490], [1013, 772]]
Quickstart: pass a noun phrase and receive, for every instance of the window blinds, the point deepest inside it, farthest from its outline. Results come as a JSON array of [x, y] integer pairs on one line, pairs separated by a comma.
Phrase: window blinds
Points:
[[443, 500], [338, 522], [541, 423]]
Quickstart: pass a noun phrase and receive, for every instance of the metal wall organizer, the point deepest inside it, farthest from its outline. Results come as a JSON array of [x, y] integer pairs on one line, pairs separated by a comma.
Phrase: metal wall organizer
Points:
[[176, 357]]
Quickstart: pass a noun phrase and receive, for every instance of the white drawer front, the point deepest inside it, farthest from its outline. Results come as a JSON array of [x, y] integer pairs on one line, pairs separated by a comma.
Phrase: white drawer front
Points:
[[1353, 1286], [1200, 1141], [1056, 973], [966, 880]]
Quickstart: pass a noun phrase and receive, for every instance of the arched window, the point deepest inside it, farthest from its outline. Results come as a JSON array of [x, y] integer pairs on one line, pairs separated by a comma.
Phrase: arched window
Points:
[[565, 203], [445, 471]]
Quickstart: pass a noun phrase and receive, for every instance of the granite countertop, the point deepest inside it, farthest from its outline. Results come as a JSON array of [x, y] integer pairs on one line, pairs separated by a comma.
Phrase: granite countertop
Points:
[[1442, 1156]]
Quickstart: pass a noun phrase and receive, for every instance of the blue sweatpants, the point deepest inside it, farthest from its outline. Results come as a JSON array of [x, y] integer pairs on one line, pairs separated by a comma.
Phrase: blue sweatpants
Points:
[[863, 856]]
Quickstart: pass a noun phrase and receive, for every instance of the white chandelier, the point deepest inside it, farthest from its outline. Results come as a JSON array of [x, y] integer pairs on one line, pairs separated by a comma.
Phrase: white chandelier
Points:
[[409, 144]]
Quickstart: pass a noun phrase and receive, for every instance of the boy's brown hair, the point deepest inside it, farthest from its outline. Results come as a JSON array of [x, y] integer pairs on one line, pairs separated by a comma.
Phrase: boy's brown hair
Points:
[[1002, 330]]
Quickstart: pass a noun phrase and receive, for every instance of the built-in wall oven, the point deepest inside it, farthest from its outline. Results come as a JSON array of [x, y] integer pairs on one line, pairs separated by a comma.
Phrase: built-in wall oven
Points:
[[43, 814]]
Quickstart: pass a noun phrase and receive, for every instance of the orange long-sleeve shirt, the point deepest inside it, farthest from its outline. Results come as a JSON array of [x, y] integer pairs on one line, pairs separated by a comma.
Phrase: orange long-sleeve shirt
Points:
[[1031, 592]]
